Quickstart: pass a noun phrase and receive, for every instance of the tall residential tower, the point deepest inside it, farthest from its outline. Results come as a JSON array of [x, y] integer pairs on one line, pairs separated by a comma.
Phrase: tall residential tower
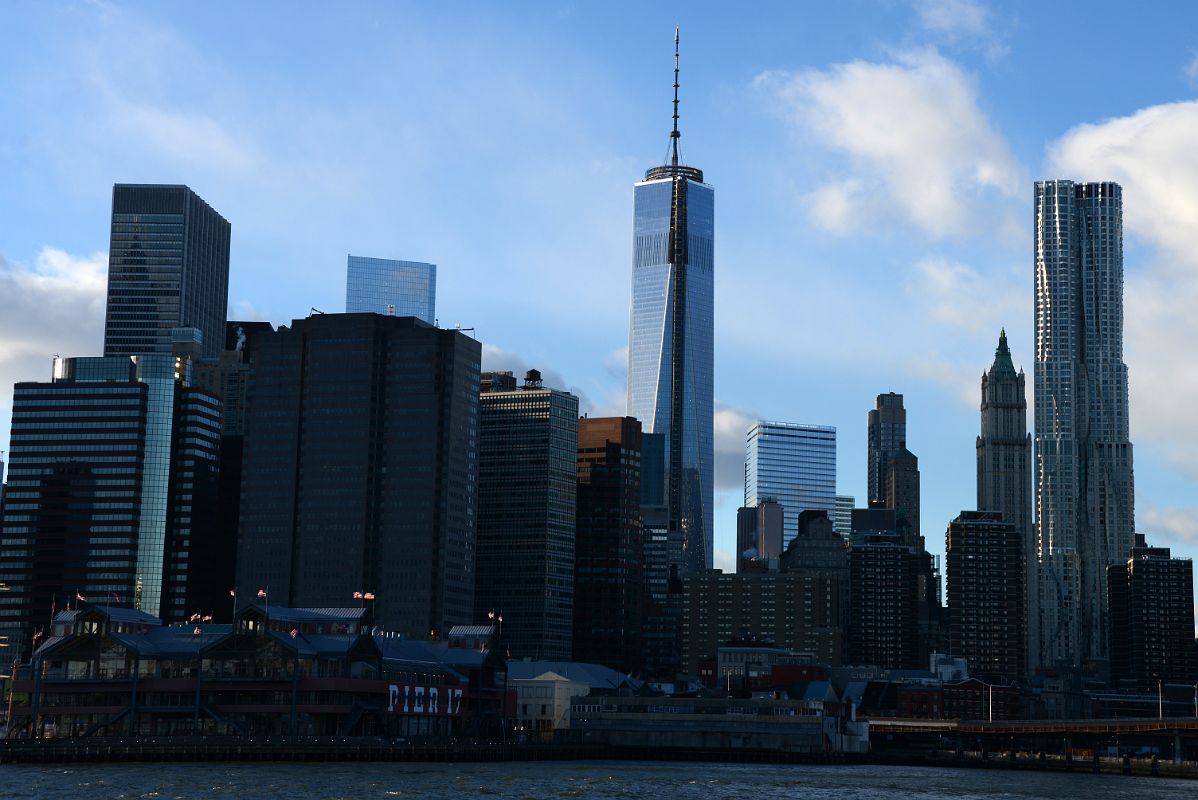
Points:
[[671, 337], [1084, 495]]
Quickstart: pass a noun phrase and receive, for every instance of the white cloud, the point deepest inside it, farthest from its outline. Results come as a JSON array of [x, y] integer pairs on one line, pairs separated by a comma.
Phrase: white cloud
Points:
[[54, 307], [964, 23], [1191, 71], [731, 424], [954, 17], [496, 359], [960, 296], [1151, 154], [1178, 524], [725, 560], [915, 141]]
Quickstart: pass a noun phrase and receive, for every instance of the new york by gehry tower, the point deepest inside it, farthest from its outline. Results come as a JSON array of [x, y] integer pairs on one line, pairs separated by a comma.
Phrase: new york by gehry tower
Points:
[[1084, 493], [671, 337]]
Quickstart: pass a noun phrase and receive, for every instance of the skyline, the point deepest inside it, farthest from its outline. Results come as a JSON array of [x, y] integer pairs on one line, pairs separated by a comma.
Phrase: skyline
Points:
[[817, 350]]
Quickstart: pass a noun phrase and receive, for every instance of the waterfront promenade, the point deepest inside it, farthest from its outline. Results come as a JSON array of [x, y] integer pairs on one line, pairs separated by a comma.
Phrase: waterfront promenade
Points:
[[351, 749]]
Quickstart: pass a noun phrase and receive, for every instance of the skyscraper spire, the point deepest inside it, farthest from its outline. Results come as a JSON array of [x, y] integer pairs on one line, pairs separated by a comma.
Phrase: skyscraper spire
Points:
[[674, 134]]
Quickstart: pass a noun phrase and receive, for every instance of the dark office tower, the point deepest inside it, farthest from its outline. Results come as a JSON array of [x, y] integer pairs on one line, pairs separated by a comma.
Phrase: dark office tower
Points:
[[902, 492], [987, 609], [758, 535], [887, 433], [527, 487], [609, 547], [168, 268], [1005, 468], [360, 469], [114, 464], [885, 583], [671, 339], [1084, 493], [228, 377], [1151, 602], [661, 630]]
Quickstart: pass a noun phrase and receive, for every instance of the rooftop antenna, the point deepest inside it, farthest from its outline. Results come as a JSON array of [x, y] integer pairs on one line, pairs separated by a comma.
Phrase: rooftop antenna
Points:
[[674, 134]]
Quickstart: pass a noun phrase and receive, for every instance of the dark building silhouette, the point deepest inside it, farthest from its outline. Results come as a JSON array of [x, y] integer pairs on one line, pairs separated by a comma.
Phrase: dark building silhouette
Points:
[[1004, 453], [787, 609], [887, 432], [1151, 617], [902, 491], [360, 469], [987, 601], [819, 554], [759, 532], [528, 451], [168, 268], [609, 549], [661, 629], [111, 491], [228, 377], [886, 578]]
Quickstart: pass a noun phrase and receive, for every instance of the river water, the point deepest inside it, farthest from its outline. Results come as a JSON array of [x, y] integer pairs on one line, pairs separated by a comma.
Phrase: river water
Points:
[[583, 780]]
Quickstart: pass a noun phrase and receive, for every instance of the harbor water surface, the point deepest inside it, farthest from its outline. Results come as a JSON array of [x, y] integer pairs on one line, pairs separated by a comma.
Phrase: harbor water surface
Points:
[[584, 780]]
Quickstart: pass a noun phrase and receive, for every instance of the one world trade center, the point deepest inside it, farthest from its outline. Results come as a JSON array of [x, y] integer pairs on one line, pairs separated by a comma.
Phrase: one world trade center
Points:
[[671, 339]]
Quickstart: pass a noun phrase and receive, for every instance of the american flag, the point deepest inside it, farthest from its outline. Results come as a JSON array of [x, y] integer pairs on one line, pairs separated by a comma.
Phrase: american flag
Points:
[[357, 595], [369, 595], [197, 631], [294, 633], [206, 618], [80, 597], [262, 593], [232, 593]]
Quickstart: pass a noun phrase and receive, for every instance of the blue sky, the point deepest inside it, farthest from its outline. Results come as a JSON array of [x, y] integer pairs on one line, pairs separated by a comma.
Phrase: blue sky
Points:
[[873, 165]]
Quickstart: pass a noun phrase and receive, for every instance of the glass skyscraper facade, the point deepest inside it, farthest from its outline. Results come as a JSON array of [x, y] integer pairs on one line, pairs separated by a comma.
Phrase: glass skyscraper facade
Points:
[[113, 475], [671, 343], [393, 288], [168, 268], [793, 464], [1083, 454]]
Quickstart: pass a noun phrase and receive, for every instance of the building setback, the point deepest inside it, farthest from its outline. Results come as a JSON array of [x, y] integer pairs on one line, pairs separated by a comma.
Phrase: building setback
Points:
[[610, 587], [112, 481], [168, 268], [360, 469], [1084, 491], [671, 339], [528, 451], [886, 432], [792, 464], [1151, 601], [987, 603], [393, 288], [902, 491]]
